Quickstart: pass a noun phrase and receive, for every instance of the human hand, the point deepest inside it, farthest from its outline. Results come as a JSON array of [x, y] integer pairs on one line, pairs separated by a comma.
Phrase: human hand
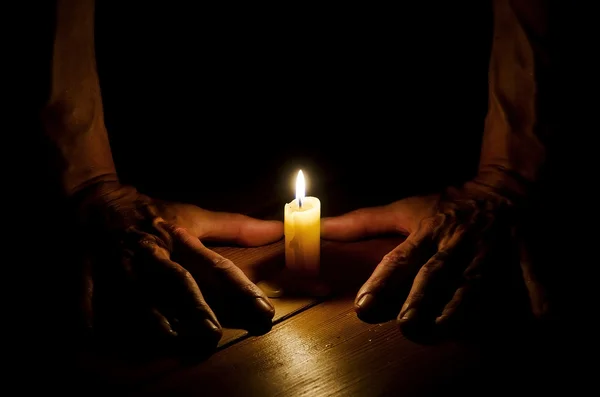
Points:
[[148, 262], [457, 242]]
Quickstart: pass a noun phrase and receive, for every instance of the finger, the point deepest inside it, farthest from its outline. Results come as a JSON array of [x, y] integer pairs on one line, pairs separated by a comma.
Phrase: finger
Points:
[[230, 279], [146, 320], [535, 289], [147, 324], [361, 223], [152, 321], [386, 281], [86, 298], [423, 296], [160, 324], [449, 313], [240, 229], [463, 294], [158, 229], [187, 307], [177, 296]]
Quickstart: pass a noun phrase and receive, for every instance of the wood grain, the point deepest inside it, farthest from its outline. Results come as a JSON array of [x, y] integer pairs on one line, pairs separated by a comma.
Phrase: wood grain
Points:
[[344, 265], [327, 351], [324, 349]]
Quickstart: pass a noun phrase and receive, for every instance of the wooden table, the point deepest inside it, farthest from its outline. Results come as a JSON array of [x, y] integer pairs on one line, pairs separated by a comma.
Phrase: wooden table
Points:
[[320, 347]]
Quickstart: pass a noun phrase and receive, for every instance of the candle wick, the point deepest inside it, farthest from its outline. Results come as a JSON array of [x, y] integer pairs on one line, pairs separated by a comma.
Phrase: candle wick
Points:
[[299, 202]]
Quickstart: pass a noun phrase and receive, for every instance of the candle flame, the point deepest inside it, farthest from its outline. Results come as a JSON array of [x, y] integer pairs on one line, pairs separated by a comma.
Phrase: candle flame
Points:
[[300, 187]]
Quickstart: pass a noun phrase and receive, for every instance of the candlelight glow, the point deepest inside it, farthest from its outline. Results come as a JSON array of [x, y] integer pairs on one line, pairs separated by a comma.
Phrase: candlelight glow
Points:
[[302, 229], [300, 186]]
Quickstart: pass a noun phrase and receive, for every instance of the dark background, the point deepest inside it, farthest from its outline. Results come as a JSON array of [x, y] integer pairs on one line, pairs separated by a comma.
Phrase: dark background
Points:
[[208, 101]]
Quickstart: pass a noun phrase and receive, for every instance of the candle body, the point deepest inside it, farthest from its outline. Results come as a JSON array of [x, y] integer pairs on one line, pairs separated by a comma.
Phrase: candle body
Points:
[[302, 229]]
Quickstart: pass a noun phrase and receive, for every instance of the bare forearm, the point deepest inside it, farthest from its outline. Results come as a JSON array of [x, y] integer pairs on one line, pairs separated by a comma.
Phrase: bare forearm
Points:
[[513, 152], [73, 118]]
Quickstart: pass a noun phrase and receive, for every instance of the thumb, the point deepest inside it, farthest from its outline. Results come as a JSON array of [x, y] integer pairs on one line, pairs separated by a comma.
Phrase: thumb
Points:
[[223, 226], [240, 229], [361, 223], [401, 216]]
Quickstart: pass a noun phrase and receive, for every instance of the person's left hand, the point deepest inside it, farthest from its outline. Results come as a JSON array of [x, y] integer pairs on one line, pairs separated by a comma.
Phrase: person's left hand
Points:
[[457, 242]]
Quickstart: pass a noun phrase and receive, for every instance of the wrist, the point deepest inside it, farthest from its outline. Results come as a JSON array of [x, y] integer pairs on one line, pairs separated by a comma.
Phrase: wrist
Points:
[[99, 183], [503, 182], [97, 195], [79, 148]]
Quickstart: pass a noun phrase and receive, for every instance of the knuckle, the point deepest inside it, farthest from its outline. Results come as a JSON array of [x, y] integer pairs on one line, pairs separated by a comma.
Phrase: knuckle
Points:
[[395, 258], [430, 268], [222, 263], [415, 298], [440, 256], [400, 255], [148, 242], [439, 219], [436, 222], [426, 271], [184, 276], [450, 215], [180, 233], [161, 231], [134, 237], [249, 290], [153, 245], [148, 236], [429, 224]]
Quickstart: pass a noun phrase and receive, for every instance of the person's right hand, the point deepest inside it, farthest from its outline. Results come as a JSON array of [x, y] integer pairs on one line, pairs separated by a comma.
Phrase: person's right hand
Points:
[[148, 262]]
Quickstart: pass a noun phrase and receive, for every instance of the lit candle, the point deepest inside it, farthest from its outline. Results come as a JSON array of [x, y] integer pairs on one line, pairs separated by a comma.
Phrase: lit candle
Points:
[[302, 228]]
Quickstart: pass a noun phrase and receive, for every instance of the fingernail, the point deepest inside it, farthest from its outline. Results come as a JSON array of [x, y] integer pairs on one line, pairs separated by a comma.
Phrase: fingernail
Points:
[[408, 315], [265, 306], [210, 325], [365, 302], [270, 288], [442, 320]]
